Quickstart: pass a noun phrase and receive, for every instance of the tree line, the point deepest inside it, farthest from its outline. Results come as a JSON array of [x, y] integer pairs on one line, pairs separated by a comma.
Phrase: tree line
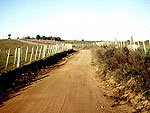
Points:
[[38, 37]]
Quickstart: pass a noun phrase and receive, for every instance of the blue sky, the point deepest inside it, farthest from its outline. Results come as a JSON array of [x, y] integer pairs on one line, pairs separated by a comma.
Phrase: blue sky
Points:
[[76, 19]]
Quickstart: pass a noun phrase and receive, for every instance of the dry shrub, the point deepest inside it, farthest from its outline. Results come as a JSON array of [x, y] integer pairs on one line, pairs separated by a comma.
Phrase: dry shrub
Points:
[[124, 65]]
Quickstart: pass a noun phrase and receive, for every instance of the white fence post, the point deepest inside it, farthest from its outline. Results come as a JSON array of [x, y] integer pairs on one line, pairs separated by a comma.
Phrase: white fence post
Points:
[[121, 44], [21, 56], [7, 59], [44, 51], [36, 52], [124, 44], [144, 47], [138, 43], [26, 54], [40, 52], [31, 54], [18, 59], [15, 57]]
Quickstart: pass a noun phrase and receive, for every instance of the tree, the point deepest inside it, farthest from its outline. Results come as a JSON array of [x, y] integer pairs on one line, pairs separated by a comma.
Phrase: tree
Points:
[[44, 37], [38, 37], [28, 37], [9, 36]]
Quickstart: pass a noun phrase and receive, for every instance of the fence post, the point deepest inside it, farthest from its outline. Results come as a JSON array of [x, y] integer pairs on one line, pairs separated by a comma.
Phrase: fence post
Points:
[[107, 43], [21, 56], [7, 58], [15, 57], [144, 47], [44, 51], [18, 60], [124, 44], [26, 54], [48, 51], [40, 51], [138, 43], [31, 54], [121, 44], [36, 52]]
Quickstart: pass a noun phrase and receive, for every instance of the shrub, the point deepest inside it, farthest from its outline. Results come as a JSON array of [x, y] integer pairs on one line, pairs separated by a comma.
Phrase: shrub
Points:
[[125, 65]]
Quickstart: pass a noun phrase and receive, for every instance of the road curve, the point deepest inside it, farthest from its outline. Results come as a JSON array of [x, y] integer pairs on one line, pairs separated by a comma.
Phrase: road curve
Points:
[[69, 89]]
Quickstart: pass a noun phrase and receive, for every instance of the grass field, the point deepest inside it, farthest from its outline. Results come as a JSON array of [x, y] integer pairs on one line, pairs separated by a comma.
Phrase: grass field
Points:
[[5, 45]]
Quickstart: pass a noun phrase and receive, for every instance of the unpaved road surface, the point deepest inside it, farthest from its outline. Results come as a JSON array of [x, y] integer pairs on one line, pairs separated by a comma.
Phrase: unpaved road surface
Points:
[[72, 88]]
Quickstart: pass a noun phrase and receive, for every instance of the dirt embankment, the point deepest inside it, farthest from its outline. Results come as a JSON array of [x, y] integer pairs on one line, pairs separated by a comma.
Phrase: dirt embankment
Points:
[[71, 88]]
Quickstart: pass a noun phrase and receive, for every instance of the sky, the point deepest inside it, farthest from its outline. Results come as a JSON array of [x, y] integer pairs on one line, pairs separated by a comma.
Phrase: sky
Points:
[[93, 20]]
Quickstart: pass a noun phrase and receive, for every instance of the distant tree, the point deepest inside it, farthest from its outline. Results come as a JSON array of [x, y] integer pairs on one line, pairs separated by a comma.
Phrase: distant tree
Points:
[[57, 38], [9, 36], [17, 37], [38, 37], [146, 40], [44, 37], [82, 40], [51, 38], [28, 37]]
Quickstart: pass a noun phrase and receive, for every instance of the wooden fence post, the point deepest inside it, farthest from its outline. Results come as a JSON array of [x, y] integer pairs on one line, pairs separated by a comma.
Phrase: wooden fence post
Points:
[[18, 59], [26, 54], [121, 44], [124, 44], [7, 58], [144, 47], [40, 52], [138, 43], [48, 51], [15, 57], [36, 52], [107, 43], [21, 56], [31, 54], [131, 41], [44, 51]]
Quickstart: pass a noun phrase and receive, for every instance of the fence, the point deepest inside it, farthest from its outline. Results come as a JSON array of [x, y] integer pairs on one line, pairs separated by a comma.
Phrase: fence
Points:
[[131, 45], [22, 56]]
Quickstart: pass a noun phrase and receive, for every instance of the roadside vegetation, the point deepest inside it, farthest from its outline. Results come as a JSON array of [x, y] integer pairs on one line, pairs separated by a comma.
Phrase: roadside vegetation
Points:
[[128, 72]]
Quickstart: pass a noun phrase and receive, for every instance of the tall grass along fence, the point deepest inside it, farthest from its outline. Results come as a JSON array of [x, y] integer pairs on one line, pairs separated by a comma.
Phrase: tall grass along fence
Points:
[[22, 56]]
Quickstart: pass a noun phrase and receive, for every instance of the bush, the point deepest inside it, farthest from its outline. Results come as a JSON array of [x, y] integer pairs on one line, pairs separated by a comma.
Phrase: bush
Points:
[[124, 65]]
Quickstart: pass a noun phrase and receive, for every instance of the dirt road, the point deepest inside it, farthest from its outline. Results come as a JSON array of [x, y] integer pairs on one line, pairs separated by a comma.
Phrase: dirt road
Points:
[[69, 89]]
